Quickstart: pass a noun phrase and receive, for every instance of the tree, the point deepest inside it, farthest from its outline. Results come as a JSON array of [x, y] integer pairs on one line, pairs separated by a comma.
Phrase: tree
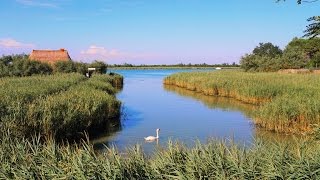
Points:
[[264, 57], [100, 66], [313, 29], [300, 53], [267, 49], [309, 47], [294, 58]]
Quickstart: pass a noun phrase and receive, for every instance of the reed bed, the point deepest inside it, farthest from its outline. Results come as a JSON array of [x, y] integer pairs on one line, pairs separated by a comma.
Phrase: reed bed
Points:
[[17, 91], [31, 159], [61, 106], [288, 102]]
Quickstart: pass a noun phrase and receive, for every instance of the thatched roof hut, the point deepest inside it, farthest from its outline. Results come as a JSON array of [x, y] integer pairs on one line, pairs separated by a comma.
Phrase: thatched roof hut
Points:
[[50, 56]]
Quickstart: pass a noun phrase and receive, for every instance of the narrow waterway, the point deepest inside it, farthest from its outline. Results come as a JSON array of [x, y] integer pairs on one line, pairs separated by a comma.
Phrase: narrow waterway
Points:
[[180, 114]]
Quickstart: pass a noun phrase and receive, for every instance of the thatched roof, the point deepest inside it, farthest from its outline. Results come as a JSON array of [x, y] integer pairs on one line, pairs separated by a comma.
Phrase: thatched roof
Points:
[[50, 56]]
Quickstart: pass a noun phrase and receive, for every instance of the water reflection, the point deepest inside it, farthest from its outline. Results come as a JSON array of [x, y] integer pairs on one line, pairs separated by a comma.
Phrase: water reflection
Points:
[[229, 104], [270, 136], [214, 102]]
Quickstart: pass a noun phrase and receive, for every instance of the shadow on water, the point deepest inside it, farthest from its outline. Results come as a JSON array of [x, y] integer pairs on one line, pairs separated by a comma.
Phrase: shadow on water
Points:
[[229, 104], [129, 118], [98, 138]]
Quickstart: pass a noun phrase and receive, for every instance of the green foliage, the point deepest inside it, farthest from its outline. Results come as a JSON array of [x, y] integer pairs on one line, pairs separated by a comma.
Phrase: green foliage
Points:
[[313, 29], [71, 66], [20, 65], [289, 102], [100, 66], [267, 50], [81, 68], [65, 67], [294, 58], [299, 53], [265, 57]]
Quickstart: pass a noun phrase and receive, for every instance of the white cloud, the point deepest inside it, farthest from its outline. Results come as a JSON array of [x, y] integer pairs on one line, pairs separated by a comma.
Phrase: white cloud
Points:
[[94, 50], [100, 52], [11, 43], [38, 3]]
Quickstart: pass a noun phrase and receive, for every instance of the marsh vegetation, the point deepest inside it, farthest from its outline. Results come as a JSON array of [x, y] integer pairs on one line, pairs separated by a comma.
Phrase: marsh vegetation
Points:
[[31, 159], [288, 102], [60, 105]]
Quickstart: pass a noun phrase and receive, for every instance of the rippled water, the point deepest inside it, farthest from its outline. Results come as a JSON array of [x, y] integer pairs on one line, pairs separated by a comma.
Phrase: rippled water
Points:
[[180, 114]]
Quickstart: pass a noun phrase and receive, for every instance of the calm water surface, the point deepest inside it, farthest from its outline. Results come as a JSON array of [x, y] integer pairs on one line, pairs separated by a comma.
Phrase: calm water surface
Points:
[[180, 114]]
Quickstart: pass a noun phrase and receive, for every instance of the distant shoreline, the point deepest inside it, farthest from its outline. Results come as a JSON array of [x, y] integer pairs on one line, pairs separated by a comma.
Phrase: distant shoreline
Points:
[[173, 67]]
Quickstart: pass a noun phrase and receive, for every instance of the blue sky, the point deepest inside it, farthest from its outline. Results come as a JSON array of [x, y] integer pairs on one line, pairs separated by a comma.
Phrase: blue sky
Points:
[[150, 31]]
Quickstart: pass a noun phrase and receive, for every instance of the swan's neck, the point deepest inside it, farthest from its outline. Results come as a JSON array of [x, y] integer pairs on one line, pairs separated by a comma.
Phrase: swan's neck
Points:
[[157, 134]]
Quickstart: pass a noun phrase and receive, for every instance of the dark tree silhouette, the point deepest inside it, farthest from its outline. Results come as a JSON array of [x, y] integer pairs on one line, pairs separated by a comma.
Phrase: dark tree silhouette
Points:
[[313, 29]]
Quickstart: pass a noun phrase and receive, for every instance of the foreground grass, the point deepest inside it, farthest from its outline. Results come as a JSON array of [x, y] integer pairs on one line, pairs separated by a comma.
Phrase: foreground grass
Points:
[[58, 105], [289, 102], [31, 159]]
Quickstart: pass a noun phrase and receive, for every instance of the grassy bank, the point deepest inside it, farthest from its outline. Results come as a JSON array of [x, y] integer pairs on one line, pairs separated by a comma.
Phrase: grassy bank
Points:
[[288, 102], [30, 159], [59, 105]]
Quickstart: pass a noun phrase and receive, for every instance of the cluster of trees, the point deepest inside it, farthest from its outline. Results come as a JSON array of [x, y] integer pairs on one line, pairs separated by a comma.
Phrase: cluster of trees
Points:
[[299, 53], [20, 65]]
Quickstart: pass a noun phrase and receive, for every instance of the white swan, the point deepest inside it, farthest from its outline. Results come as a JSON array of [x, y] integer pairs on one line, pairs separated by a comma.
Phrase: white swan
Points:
[[152, 138]]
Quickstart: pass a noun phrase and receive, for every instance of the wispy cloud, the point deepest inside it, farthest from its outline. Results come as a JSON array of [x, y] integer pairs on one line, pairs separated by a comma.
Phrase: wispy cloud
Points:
[[94, 50], [12, 43], [100, 52], [39, 3]]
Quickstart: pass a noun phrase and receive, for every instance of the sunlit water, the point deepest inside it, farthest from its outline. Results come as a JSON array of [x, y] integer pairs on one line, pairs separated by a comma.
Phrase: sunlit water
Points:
[[181, 115]]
